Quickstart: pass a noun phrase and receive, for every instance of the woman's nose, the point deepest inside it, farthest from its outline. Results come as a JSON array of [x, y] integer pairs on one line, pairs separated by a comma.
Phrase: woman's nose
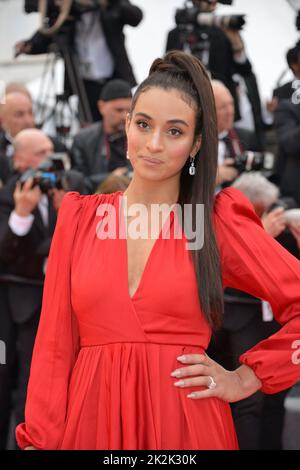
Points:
[[155, 142]]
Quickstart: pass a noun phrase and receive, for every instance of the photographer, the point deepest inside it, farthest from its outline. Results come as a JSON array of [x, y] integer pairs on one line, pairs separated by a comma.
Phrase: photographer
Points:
[[16, 114], [232, 141], [27, 222], [224, 47], [96, 36], [100, 149], [286, 91], [287, 126]]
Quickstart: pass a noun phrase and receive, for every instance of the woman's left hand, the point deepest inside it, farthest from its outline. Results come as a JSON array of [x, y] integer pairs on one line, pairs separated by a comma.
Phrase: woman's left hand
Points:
[[202, 371]]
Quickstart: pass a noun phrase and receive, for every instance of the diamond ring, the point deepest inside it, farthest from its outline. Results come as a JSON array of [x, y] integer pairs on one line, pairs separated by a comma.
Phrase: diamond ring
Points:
[[212, 385]]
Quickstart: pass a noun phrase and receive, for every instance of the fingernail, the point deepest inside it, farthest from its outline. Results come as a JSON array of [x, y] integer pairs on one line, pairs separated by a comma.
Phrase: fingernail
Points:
[[182, 358], [179, 384], [176, 373]]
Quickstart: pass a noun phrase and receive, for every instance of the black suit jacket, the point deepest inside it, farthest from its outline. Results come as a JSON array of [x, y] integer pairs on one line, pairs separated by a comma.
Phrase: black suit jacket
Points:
[[22, 257], [113, 19], [5, 145], [287, 125], [5, 170], [285, 91], [6, 167], [248, 139], [88, 155]]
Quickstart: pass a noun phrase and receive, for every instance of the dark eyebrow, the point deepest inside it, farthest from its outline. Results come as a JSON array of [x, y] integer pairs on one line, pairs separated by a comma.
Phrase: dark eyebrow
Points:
[[171, 121]]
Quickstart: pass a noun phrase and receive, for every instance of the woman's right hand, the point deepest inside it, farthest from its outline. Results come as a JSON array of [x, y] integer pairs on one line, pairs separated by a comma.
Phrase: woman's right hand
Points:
[[30, 448]]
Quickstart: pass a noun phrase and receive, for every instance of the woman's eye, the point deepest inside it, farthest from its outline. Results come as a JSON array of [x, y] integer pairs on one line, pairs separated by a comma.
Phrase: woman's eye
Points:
[[175, 132], [142, 124]]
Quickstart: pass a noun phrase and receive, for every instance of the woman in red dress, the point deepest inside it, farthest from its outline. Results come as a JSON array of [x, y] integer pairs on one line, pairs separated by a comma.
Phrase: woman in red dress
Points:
[[119, 360]]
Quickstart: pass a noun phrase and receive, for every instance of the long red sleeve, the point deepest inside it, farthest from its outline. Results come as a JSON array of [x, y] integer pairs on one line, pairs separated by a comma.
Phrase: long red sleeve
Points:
[[56, 344], [254, 262]]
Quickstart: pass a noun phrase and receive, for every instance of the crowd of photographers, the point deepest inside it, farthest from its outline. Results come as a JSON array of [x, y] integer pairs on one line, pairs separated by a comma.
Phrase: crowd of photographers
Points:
[[259, 156]]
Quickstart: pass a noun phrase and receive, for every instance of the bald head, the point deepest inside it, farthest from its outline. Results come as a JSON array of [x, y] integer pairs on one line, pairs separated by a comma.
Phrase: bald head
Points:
[[224, 106], [16, 113], [13, 87], [32, 147]]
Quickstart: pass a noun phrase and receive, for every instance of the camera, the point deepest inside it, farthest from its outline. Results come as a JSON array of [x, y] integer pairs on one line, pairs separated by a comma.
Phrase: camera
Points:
[[31, 6], [291, 212], [193, 15], [254, 161], [49, 174]]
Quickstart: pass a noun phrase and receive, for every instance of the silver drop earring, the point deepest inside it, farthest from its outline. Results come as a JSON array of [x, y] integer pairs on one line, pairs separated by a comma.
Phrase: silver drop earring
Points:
[[192, 169], [127, 155]]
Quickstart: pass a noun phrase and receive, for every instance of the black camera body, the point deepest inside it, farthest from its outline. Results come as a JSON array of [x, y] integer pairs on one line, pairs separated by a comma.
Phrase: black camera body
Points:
[[31, 6], [48, 175], [254, 161], [193, 15]]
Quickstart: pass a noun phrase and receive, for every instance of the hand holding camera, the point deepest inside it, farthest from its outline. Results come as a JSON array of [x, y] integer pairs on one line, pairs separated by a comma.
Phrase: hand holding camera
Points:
[[22, 47], [274, 222], [227, 171], [279, 218], [26, 197]]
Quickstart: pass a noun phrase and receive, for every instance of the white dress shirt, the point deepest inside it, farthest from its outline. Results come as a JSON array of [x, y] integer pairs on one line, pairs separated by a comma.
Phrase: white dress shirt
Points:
[[95, 59], [21, 225]]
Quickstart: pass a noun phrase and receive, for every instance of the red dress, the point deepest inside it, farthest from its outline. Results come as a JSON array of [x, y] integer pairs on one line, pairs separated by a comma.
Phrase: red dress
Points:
[[100, 373]]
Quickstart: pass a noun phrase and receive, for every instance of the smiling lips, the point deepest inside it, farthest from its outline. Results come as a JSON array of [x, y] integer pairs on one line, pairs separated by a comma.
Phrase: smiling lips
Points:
[[152, 161]]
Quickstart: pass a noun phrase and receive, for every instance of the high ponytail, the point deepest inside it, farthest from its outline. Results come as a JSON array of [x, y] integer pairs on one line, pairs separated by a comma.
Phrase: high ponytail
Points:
[[186, 74]]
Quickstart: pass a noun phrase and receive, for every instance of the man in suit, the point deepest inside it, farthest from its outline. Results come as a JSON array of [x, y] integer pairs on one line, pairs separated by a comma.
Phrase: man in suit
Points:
[[27, 221], [16, 115], [227, 54], [232, 141], [98, 40], [285, 92], [287, 126], [100, 149]]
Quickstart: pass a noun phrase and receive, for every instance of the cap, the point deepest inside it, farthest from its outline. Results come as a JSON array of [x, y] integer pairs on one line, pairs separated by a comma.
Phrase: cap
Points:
[[115, 89]]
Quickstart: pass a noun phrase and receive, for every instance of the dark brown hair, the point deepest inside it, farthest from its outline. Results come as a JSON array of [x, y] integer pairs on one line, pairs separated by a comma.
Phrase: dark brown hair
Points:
[[186, 74]]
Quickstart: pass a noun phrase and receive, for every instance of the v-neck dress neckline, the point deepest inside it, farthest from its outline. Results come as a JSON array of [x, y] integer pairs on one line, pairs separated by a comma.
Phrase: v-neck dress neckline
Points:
[[121, 218]]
